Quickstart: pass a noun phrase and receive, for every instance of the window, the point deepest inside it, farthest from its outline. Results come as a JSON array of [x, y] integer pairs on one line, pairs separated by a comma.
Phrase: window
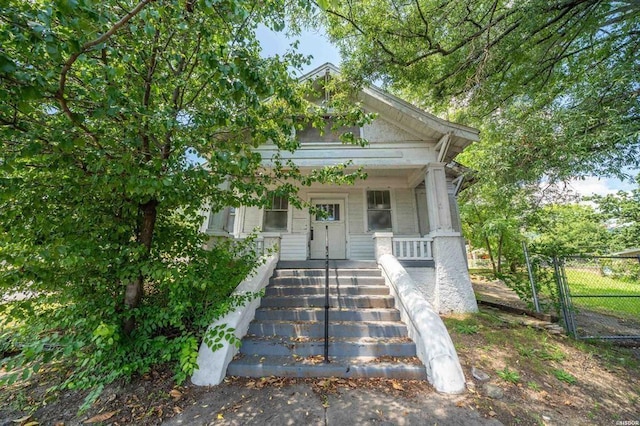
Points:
[[331, 212], [379, 210], [231, 218], [275, 214]]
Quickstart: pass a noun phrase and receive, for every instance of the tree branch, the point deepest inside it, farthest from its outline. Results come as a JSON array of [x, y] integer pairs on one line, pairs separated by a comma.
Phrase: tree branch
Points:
[[74, 57]]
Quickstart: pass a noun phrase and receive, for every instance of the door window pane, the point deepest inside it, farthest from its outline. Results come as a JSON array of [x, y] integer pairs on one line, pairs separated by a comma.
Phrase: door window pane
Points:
[[331, 212]]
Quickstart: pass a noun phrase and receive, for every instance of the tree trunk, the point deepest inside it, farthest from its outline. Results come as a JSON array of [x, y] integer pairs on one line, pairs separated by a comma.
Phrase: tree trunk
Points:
[[493, 263], [134, 291], [500, 242]]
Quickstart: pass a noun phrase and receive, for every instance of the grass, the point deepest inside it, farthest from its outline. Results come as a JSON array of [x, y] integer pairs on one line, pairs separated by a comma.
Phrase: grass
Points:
[[563, 376], [467, 328], [507, 375], [533, 386], [586, 282]]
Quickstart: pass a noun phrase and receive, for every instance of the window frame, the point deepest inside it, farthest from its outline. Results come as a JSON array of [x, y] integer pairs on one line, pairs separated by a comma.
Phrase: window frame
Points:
[[368, 210], [270, 209]]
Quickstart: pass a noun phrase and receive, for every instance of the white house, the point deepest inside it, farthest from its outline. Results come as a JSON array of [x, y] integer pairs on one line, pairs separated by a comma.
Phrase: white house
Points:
[[407, 205]]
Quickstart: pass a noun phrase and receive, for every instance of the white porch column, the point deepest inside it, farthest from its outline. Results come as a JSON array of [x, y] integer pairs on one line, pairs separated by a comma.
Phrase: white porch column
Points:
[[453, 291], [437, 198]]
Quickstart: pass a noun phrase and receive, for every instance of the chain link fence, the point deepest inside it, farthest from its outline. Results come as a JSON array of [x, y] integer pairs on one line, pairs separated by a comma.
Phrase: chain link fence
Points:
[[599, 296]]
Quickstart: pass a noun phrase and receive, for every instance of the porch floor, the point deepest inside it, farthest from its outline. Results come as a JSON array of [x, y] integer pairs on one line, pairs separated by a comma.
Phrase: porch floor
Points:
[[333, 264], [348, 264]]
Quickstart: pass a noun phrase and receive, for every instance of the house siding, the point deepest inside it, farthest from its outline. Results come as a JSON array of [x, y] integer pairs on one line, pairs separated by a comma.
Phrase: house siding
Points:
[[361, 247], [252, 219], [300, 221], [294, 247], [356, 211], [406, 217]]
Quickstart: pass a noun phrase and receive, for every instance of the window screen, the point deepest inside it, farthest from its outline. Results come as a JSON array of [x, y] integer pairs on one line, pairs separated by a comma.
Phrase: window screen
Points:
[[275, 214], [378, 210]]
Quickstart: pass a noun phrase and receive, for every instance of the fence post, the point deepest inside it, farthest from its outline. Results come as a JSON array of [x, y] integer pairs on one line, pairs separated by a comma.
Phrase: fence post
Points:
[[565, 297], [561, 295], [534, 292]]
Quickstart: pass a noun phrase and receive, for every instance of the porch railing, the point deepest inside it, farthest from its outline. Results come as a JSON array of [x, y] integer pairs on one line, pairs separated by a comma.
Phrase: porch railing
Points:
[[257, 246], [412, 248]]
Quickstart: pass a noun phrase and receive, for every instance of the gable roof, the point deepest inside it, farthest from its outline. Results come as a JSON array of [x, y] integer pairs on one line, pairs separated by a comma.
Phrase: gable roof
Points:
[[452, 138]]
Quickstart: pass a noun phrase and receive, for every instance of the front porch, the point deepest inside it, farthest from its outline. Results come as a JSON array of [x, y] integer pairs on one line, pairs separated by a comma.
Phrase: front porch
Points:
[[416, 204]]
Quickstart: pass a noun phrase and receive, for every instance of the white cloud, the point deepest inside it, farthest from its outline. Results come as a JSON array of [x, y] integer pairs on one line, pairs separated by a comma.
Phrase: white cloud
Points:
[[598, 186]]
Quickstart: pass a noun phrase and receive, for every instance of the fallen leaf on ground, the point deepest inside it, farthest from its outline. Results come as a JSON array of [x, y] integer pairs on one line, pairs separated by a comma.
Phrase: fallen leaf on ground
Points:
[[397, 386], [100, 417], [175, 394], [21, 419]]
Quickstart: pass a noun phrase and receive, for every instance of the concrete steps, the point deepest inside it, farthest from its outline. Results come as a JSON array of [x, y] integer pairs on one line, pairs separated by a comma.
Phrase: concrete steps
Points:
[[284, 366], [315, 301], [317, 314], [317, 289], [367, 338]]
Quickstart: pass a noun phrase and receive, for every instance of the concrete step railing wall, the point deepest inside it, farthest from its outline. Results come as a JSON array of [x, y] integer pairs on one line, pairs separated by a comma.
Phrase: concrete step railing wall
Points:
[[212, 366], [433, 343]]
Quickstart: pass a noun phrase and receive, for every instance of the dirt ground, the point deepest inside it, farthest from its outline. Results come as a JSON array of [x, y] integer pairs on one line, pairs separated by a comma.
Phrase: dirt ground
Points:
[[535, 376], [588, 322]]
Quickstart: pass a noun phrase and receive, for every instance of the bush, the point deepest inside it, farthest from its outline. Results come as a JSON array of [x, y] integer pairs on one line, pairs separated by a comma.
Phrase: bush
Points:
[[79, 326]]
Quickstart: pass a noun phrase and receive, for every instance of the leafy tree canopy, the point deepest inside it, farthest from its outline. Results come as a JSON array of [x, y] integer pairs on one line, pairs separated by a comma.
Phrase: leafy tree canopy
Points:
[[100, 102], [553, 85], [623, 210]]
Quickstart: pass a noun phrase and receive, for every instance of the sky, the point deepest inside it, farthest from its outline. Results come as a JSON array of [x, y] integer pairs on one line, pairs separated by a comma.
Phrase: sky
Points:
[[316, 44], [593, 185], [312, 43]]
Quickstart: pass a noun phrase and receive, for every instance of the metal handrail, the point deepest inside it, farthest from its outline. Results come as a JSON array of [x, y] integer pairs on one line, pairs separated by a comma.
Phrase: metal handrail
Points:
[[326, 295]]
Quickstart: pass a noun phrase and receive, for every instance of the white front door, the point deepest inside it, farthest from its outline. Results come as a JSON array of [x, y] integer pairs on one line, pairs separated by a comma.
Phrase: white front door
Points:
[[328, 229]]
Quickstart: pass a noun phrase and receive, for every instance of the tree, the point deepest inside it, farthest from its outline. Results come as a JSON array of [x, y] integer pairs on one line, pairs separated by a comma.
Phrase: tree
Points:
[[552, 84], [623, 209], [104, 105], [570, 229]]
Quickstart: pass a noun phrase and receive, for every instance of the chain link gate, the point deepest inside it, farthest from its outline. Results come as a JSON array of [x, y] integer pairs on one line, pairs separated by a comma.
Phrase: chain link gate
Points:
[[599, 296]]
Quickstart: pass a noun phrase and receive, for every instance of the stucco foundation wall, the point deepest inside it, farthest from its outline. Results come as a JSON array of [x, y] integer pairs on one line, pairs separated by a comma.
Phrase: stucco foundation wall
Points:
[[425, 279], [453, 291]]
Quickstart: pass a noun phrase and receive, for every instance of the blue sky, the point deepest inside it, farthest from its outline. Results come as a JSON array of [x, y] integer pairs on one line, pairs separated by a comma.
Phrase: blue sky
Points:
[[316, 44], [311, 43]]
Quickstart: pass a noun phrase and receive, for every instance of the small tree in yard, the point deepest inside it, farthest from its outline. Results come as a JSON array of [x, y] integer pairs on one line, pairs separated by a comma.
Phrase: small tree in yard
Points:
[[100, 104]]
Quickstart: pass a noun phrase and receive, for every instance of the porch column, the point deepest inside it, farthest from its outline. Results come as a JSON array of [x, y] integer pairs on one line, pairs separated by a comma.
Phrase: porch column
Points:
[[438, 208], [453, 291]]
